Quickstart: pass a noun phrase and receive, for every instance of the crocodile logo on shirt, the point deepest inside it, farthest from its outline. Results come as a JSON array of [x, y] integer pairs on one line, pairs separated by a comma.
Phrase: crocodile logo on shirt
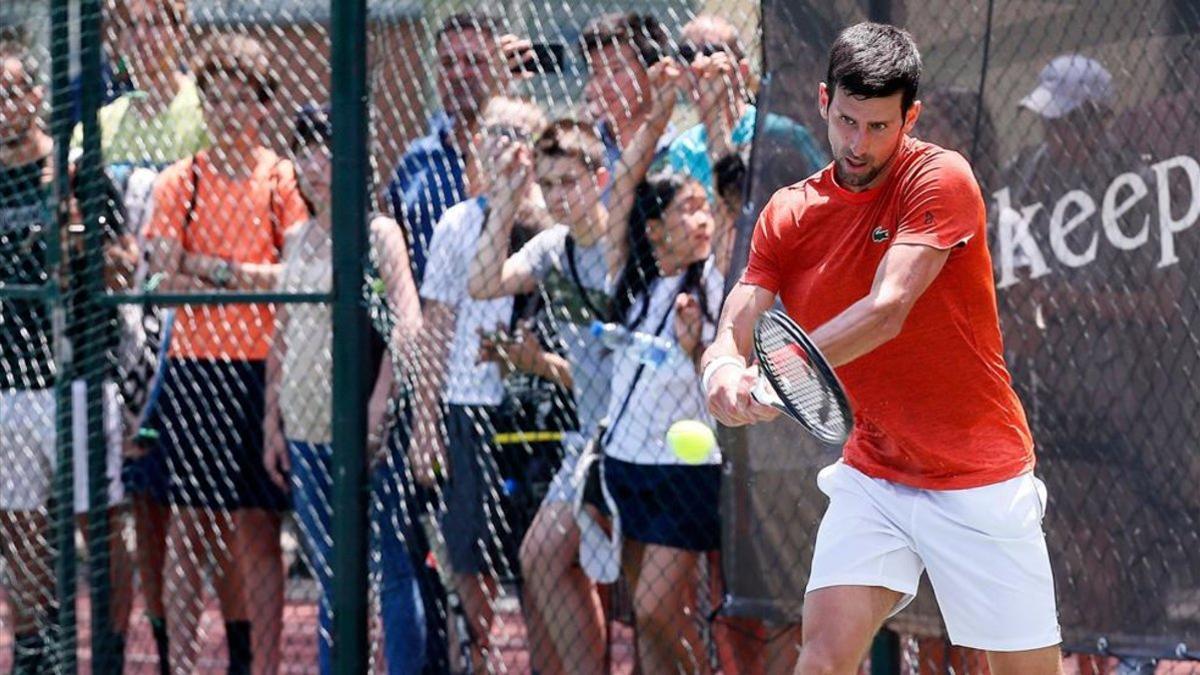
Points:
[[880, 235]]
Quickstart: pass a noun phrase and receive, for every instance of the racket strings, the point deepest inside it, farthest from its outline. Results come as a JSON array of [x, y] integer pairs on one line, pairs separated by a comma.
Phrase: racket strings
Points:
[[802, 386]]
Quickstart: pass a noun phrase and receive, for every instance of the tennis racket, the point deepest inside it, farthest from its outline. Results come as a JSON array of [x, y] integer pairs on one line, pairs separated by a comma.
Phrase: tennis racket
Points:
[[797, 380]]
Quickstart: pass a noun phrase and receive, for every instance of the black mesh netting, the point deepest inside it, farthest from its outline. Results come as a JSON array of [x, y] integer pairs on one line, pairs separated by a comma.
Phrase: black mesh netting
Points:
[[1089, 217]]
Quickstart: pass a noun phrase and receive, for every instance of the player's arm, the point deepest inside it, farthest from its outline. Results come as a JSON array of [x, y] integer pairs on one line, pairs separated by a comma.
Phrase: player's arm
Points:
[[727, 379], [902, 277]]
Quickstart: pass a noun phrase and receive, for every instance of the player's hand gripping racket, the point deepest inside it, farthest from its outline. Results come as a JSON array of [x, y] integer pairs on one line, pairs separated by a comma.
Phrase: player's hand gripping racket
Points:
[[797, 380]]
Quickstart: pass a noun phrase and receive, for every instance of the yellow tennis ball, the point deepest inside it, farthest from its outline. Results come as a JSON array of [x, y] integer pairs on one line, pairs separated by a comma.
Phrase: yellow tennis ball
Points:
[[691, 441]]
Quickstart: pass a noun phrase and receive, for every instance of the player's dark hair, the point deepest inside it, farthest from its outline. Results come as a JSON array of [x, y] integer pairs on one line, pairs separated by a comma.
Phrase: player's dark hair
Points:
[[654, 195], [874, 60]]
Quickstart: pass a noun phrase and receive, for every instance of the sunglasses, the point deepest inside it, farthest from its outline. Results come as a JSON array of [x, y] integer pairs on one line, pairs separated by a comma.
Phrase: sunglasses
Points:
[[689, 51], [508, 131]]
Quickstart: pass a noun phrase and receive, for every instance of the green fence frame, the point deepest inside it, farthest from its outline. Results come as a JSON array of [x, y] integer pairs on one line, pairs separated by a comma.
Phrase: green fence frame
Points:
[[79, 358]]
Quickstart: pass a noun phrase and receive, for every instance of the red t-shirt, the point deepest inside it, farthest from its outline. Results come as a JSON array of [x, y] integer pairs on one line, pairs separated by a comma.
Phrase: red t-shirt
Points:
[[934, 408]]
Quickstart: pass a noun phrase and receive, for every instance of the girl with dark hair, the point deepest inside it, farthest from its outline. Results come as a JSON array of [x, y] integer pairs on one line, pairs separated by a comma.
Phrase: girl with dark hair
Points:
[[669, 255], [671, 287]]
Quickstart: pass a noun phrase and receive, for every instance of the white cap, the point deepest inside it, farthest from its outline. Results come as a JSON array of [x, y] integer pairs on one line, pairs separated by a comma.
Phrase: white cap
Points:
[[1068, 82]]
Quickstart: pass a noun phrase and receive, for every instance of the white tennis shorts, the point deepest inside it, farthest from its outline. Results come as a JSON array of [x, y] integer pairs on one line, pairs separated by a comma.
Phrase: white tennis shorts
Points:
[[27, 446], [983, 547]]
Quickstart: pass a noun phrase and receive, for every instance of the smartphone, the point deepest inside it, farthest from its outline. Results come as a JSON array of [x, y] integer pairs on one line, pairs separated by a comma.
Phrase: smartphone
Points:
[[544, 58]]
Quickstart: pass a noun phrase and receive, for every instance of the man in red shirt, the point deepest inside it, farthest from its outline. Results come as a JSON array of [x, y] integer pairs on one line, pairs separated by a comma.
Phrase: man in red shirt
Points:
[[882, 257]]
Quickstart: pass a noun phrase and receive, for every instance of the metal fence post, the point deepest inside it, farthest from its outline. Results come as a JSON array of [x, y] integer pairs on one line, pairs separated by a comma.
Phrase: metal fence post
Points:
[[348, 39], [62, 509], [90, 335]]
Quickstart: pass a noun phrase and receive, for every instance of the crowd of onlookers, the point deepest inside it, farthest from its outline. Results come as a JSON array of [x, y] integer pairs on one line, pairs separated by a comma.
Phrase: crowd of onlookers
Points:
[[541, 291], [517, 272]]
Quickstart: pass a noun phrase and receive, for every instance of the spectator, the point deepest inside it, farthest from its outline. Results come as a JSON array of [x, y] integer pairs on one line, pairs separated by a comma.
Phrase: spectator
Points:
[[474, 64], [569, 262], [672, 255], [158, 122], [299, 387], [436, 172], [219, 223], [619, 50], [668, 511], [721, 74], [1089, 329], [27, 367], [470, 390]]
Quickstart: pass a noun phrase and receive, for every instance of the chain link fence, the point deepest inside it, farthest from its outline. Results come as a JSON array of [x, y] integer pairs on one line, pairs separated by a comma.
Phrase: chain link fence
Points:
[[555, 199]]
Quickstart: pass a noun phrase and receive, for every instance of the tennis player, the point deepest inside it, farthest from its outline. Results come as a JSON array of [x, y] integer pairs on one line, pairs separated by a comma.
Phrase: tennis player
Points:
[[882, 257]]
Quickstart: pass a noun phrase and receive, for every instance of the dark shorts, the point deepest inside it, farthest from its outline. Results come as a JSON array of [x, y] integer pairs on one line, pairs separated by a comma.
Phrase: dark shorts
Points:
[[666, 504], [209, 417], [147, 475], [472, 491]]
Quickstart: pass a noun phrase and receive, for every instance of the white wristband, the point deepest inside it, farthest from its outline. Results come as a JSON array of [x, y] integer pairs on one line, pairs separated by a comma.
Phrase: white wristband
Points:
[[715, 365]]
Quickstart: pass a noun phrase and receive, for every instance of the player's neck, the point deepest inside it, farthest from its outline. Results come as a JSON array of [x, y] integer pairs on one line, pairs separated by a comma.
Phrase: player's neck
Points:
[[878, 180]]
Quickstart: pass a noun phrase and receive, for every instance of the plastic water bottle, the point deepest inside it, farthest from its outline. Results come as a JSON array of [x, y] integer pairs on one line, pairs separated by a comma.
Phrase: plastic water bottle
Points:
[[651, 350]]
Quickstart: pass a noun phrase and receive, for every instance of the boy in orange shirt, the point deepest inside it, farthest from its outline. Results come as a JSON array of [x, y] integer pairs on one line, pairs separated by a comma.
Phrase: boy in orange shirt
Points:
[[219, 225]]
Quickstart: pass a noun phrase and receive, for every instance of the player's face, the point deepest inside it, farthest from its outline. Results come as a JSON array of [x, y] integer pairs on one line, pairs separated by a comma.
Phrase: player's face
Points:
[[20, 100], [864, 134], [686, 230], [618, 87], [570, 189]]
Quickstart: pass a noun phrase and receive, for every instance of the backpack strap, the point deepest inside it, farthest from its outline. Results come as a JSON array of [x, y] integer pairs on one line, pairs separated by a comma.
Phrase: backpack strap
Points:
[[573, 268], [189, 214], [637, 374]]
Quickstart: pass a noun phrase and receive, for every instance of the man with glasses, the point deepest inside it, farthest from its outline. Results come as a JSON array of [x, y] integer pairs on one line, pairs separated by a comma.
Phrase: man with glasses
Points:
[[470, 389], [474, 63], [619, 50]]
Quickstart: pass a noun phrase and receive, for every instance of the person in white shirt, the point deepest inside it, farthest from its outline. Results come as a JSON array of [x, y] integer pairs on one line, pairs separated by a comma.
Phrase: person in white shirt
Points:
[[469, 388]]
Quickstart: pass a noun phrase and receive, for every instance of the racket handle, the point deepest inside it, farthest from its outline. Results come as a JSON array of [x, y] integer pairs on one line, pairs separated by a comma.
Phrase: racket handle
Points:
[[764, 394]]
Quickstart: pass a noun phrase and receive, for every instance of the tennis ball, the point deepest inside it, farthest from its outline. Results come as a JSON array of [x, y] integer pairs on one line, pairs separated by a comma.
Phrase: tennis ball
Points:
[[691, 441]]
